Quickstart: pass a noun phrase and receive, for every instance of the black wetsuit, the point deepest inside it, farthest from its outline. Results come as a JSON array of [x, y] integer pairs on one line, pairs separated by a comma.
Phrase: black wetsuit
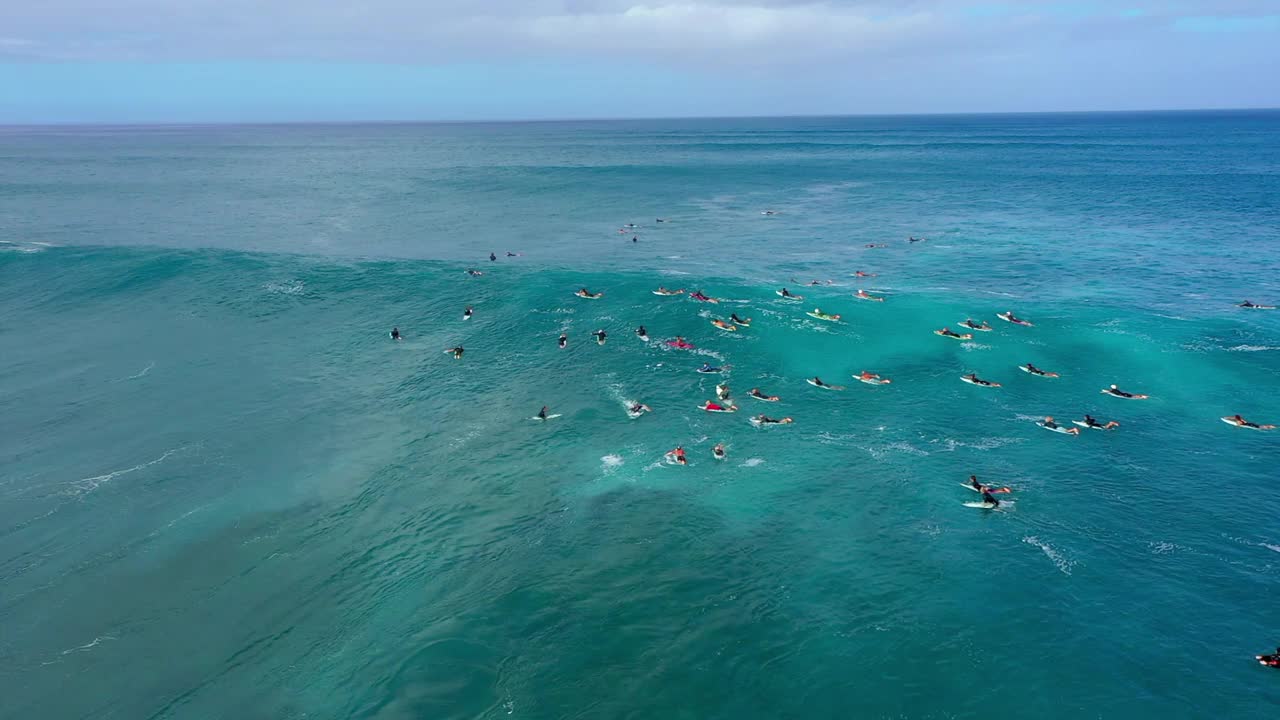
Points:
[[987, 497], [395, 333], [640, 332], [564, 340], [492, 257]]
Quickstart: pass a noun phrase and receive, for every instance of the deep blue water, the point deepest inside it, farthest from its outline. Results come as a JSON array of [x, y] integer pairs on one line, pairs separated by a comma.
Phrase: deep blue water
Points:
[[226, 493]]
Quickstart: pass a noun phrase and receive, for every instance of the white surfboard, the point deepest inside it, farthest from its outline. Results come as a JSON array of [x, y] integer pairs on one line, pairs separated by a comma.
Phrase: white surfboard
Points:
[[796, 298], [1059, 429], [872, 381], [548, 417], [1087, 426], [828, 318], [1024, 369], [1232, 423], [984, 505], [1009, 319], [971, 381], [824, 386]]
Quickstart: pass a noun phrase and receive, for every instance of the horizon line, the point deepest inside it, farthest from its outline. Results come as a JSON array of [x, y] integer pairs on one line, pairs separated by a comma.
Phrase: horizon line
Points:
[[587, 119]]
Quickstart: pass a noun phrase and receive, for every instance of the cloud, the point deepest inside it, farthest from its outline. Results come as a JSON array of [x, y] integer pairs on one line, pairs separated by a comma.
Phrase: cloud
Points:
[[720, 32]]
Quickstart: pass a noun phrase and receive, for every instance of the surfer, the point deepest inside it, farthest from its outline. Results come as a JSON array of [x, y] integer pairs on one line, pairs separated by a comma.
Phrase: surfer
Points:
[[1008, 315], [564, 340], [769, 212], [723, 325], [862, 295], [990, 499], [756, 393], [870, 376], [466, 314], [585, 293], [642, 333], [457, 352], [698, 295], [1090, 421], [786, 293], [983, 488], [733, 317], [863, 275], [474, 273], [1272, 660], [678, 455], [948, 332], [1034, 370], [395, 335], [660, 220], [817, 312], [1113, 390], [973, 378], [1246, 304], [708, 368], [766, 420], [492, 257], [600, 335], [1052, 425], [710, 406], [542, 414], [1241, 422], [718, 451], [975, 325], [511, 254], [638, 409], [663, 291], [722, 392], [635, 239]]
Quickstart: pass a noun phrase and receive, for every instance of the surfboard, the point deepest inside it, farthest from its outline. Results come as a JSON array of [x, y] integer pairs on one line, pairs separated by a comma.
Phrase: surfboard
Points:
[[643, 338], [1059, 429], [1087, 426], [742, 324], [1233, 423], [1256, 307], [985, 505], [668, 293], [466, 316], [828, 318], [597, 296], [974, 327], [796, 298], [765, 399], [548, 417], [971, 381], [872, 381], [962, 336], [1009, 319], [1024, 369], [721, 456], [710, 371], [824, 386], [671, 460], [726, 327]]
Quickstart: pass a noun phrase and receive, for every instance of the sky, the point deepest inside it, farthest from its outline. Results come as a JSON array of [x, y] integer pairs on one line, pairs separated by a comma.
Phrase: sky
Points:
[[302, 60]]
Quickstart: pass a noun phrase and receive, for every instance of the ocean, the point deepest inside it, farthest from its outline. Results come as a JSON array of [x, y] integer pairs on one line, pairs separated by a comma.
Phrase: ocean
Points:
[[225, 492]]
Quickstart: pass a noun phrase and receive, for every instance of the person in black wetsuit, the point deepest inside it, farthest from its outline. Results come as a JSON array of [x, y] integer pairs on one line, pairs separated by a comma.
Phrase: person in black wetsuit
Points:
[[1272, 660], [990, 499], [564, 340], [600, 335], [492, 257], [641, 332], [542, 414], [395, 333]]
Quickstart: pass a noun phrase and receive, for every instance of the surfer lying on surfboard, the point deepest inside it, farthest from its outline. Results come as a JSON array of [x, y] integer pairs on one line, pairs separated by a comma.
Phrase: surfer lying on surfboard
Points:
[[1090, 422], [724, 325], [600, 336], [642, 333], [733, 317], [766, 420], [1247, 304], [788, 295], [817, 382], [983, 326], [722, 392], [973, 379], [1241, 422], [710, 406], [718, 451], [663, 291], [872, 378], [862, 295], [1052, 425], [1008, 316], [948, 332], [457, 352], [757, 394], [585, 293], [638, 409], [709, 369], [1272, 660], [698, 295], [677, 455], [1117, 392], [1037, 371]]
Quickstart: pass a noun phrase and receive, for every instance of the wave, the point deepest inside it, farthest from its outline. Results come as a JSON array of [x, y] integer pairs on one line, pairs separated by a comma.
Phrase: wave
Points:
[[1059, 560]]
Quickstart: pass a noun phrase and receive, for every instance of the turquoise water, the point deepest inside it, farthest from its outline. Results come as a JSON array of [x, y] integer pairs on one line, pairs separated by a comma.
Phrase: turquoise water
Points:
[[224, 492]]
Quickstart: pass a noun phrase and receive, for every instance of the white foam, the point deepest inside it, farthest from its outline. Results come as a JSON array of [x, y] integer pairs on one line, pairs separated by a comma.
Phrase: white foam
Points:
[[287, 287], [1060, 561], [89, 484], [89, 646], [752, 462], [974, 346], [1252, 348], [609, 463], [143, 372]]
